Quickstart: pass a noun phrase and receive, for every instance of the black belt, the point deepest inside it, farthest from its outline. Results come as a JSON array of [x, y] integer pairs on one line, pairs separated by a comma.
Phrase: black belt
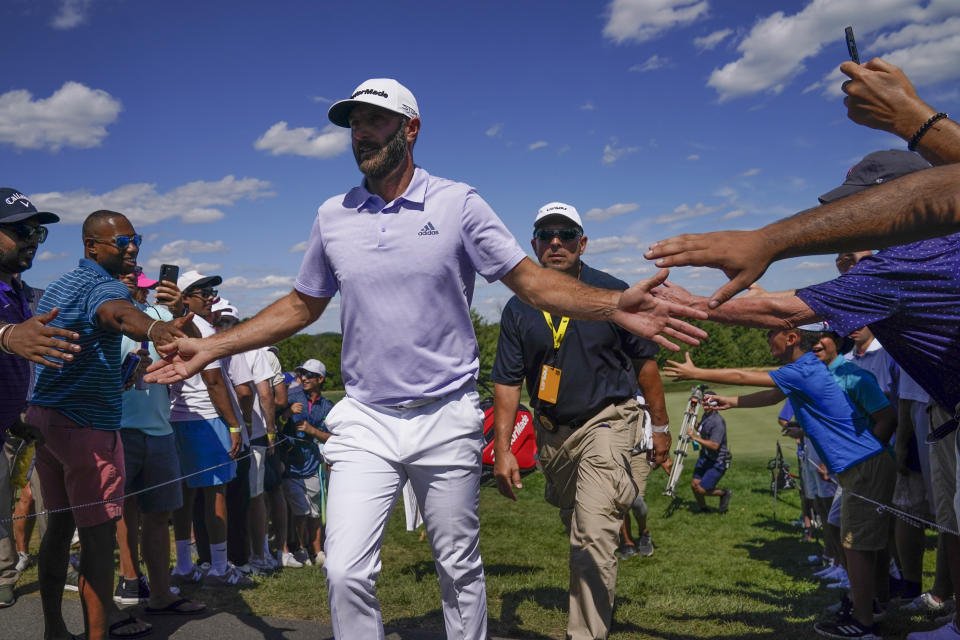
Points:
[[942, 431]]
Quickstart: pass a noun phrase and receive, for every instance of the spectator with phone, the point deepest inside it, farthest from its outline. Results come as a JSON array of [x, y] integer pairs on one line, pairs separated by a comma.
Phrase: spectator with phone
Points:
[[78, 409], [306, 427], [150, 460]]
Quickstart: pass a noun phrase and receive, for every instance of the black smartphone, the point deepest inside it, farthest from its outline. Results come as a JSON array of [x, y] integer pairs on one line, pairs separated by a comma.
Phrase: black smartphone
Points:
[[169, 273], [852, 45]]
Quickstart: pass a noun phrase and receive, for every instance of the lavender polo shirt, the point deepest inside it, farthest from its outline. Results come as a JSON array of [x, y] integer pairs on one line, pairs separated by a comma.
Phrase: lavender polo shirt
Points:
[[14, 370], [909, 296], [405, 271]]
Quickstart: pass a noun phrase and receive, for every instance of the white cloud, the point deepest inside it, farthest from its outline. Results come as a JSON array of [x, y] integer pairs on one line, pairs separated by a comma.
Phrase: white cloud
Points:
[[711, 41], [774, 51], [265, 282], [693, 156], [539, 144], [176, 252], [641, 20], [46, 256], [74, 116], [300, 247], [809, 264], [612, 243], [322, 99], [495, 130], [650, 64], [736, 213], [588, 106], [70, 14], [684, 211], [750, 172], [612, 211], [304, 141], [193, 202], [562, 149], [612, 152]]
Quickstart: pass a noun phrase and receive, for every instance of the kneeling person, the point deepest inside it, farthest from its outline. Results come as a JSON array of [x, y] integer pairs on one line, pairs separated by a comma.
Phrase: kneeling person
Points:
[[714, 457]]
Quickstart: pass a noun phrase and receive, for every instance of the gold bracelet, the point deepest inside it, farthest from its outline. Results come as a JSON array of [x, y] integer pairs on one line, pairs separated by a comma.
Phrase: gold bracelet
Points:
[[4, 330]]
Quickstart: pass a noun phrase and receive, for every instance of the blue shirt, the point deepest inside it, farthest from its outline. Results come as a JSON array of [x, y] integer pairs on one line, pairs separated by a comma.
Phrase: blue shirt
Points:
[[405, 271], [303, 458], [14, 370], [87, 390], [909, 296], [826, 412], [147, 409]]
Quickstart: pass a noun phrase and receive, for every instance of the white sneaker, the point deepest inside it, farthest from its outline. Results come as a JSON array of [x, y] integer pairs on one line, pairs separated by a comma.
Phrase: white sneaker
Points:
[[23, 561], [948, 631], [926, 603], [826, 571], [290, 561], [319, 559], [843, 583], [230, 578], [303, 557]]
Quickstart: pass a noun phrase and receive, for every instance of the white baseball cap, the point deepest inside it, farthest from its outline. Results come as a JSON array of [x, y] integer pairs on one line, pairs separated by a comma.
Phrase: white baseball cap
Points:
[[225, 308], [558, 209], [386, 93], [194, 278], [314, 366]]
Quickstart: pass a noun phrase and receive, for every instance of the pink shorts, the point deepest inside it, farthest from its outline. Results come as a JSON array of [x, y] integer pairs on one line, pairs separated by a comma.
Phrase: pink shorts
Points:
[[79, 465]]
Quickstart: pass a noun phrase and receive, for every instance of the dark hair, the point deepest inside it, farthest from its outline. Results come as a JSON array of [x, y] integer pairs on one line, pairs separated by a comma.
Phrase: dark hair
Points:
[[808, 339]]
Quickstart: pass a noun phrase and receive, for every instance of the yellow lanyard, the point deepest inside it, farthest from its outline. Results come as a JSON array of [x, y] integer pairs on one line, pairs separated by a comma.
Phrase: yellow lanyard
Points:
[[557, 333]]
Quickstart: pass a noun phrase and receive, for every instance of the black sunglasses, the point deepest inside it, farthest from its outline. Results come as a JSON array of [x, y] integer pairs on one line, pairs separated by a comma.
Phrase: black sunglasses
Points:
[[566, 235], [308, 375], [28, 232], [202, 293], [122, 242]]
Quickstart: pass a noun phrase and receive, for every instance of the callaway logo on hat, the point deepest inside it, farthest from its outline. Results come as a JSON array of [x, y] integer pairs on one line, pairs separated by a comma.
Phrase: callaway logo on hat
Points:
[[386, 93], [14, 207], [558, 209]]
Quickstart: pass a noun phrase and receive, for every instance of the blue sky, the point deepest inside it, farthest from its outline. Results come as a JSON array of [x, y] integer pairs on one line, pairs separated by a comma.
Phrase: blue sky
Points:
[[205, 122]]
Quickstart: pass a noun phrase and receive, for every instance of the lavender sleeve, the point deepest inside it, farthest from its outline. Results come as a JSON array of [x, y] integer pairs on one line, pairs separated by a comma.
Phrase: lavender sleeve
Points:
[[853, 300], [316, 277], [492, 249]]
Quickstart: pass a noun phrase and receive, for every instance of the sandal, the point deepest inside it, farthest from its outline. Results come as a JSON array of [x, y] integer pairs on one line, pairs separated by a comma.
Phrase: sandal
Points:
[[129, 620]]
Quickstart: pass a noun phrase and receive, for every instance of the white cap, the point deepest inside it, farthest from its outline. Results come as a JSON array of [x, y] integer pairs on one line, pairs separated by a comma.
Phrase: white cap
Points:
[[814, 327], [386, 93], [314, 366], [193, 278], [558, 209], [225, 308]]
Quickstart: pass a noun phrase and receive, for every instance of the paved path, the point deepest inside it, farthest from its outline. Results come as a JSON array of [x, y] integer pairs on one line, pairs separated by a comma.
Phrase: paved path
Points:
[[24, 621]]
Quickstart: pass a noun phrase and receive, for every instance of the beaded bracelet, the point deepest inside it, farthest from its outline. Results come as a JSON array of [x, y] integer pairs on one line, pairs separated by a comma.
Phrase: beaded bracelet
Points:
[[912, 145]]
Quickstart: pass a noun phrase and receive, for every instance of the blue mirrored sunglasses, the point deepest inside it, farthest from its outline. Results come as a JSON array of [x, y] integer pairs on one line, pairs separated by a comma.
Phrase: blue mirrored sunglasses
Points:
[[122, 242]]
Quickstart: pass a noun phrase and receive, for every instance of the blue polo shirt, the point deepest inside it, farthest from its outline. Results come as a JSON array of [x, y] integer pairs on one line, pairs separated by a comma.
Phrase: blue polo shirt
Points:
[[303, 459], [839, 433], [88, 389], [147, 410], [909, 296]]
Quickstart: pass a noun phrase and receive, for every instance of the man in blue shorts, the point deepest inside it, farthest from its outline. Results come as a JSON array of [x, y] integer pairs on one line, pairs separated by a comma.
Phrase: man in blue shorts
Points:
[[847, 417], [714, 457]]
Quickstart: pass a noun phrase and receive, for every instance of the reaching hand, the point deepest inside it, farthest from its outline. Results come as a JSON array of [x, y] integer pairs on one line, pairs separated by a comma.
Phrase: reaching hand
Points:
[[723, 402], [182, 358], [507, 473], [165, 333], [685, 370], [33, 340], [742, 255], [880, 96], [648, 316]]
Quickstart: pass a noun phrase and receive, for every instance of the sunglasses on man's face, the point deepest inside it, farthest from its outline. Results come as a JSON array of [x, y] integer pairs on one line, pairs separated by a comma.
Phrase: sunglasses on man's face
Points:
[[122, 242], [202, 293], [565, 235], [306, 375], [27, 232]]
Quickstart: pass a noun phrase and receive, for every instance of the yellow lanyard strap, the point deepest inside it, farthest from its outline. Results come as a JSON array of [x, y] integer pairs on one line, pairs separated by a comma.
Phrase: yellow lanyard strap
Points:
[[557, 333]]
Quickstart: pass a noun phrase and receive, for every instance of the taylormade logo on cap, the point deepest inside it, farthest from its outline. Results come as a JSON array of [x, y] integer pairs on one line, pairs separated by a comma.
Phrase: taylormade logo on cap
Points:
[[385, 93]]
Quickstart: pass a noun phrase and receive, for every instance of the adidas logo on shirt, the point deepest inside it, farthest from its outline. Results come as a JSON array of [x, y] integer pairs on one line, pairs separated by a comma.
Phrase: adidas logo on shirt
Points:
[[429, 230]]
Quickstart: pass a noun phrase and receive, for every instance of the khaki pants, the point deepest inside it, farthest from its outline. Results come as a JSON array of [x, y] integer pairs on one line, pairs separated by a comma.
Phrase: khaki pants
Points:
[[8, 551], [588, 478]]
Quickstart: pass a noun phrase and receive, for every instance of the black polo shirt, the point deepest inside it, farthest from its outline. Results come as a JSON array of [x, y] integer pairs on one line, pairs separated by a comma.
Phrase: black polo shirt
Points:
[[595, 358]]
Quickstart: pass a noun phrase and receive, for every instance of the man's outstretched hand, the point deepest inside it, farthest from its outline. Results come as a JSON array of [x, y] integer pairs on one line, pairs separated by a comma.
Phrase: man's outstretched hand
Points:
[[34, 340], [180, 359], [742, 255], [641, 313]]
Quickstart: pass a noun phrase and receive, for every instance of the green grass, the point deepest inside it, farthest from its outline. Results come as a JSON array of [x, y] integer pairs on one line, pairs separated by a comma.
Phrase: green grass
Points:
[[739, 575]]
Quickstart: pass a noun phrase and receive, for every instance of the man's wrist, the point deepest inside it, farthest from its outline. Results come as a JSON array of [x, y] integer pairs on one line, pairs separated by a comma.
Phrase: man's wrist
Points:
[[661, 429]]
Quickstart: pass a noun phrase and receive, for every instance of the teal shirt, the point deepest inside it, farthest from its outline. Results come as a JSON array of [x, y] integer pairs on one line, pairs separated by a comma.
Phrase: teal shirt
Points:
[[149, 410]]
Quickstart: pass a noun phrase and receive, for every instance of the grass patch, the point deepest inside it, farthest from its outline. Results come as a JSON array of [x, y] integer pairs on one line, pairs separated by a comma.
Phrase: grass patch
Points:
[[738, 575]]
